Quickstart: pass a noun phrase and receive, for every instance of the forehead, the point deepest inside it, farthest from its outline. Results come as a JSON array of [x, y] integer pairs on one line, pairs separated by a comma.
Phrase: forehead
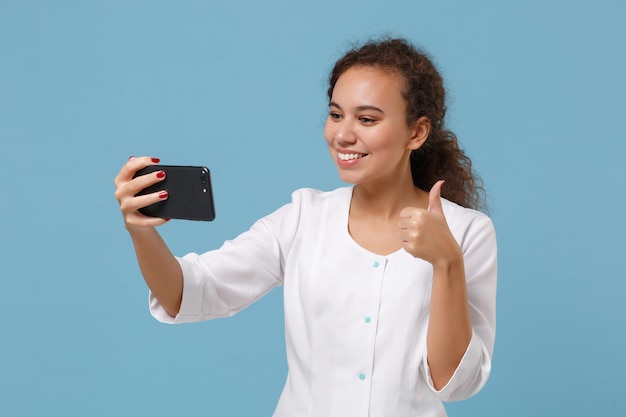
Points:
[[368, 84]]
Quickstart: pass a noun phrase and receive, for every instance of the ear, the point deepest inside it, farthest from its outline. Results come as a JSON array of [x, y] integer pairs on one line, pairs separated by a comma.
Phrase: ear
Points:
[[419, 133]]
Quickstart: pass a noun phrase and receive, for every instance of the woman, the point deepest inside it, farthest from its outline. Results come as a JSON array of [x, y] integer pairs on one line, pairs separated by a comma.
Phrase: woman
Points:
[[389, 288]]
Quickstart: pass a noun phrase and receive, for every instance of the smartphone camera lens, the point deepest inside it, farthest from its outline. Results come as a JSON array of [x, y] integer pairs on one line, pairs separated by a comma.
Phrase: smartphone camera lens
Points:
[[204, 177]]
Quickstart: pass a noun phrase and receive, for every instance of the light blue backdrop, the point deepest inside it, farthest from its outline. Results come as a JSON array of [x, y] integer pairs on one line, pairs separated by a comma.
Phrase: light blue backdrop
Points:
[[536, 96]]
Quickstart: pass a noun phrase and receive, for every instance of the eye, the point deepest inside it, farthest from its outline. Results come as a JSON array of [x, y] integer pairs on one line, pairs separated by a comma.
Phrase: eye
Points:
[[367, 120], [334, 115]]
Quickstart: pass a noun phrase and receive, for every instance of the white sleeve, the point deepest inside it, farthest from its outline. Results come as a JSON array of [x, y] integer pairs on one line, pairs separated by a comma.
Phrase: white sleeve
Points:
[[480, 258], [221, 282]]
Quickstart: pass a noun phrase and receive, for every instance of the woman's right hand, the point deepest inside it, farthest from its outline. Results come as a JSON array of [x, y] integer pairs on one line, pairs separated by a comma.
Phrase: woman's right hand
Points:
[[158, 266], [127, 187]]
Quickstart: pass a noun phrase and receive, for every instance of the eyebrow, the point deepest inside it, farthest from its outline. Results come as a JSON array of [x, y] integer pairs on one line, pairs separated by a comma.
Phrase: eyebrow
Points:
[[358, 108]]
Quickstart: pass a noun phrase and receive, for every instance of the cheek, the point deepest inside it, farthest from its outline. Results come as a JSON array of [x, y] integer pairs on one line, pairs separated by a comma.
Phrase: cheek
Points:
[[385, 145], [328, 132]]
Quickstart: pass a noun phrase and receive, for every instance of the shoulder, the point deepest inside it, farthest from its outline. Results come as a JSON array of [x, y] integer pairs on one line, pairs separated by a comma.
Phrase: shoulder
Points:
[[307, 204], [463, 215], [466, 223], [307, 210], [311, 197]]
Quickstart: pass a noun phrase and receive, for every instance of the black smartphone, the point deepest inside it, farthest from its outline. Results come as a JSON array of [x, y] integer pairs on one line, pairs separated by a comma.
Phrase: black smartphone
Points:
[[190, 193]]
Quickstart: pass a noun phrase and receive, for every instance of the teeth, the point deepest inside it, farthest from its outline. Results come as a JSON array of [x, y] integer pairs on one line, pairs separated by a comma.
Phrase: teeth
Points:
[[349, 156]]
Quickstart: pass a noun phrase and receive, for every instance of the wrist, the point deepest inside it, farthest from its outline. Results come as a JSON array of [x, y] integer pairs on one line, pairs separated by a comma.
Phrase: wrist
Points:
[[138, 231], [451, 265]]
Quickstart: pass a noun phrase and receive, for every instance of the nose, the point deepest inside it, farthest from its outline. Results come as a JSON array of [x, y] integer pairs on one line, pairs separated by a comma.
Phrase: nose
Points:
[[345, 133]]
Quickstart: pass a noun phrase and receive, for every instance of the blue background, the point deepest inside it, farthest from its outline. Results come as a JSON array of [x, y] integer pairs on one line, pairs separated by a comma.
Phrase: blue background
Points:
[[536, 94]]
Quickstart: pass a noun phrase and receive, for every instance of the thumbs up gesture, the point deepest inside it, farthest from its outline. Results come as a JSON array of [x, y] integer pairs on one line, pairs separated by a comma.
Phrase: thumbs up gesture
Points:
[[425, 233]]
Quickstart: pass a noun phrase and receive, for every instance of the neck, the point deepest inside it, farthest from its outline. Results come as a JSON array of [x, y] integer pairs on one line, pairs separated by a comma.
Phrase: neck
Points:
[[385, 201]]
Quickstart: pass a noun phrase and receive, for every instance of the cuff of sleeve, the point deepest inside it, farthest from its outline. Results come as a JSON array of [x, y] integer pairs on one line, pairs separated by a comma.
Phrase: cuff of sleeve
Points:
[[191, 304], [457, 387]]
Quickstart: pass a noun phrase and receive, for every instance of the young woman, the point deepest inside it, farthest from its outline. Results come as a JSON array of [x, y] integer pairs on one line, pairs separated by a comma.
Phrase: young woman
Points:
[[389, 284]]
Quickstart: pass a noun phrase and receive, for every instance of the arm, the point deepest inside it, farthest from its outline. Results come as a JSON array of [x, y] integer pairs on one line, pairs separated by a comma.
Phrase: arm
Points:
[[426, 235], [159, 268], [221, 282], [449, 326]]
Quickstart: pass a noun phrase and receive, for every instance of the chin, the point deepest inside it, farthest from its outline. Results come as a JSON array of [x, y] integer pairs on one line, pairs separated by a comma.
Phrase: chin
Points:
[[350, 179]]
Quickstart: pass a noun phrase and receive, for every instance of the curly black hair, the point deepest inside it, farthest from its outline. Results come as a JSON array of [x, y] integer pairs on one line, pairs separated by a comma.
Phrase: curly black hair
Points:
[[440, 156]]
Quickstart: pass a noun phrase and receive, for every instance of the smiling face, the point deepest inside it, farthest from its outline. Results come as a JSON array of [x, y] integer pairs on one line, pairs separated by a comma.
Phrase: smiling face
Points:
[[366, 129]]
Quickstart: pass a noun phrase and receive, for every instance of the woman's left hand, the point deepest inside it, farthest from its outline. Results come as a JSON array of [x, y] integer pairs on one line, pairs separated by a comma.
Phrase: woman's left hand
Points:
[[425, 233]]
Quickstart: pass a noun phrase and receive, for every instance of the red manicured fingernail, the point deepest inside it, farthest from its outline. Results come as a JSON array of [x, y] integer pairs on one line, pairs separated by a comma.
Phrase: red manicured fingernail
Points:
[[167, 220], [161, 174], [163, 194], [156, 160]]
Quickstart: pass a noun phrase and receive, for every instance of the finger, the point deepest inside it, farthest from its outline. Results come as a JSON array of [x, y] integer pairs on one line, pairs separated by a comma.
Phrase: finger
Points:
[[404, 223], [133, 204], [144, 181], [434, 198], [125, 181], [133, 165], [408, 235], [407, 212], [132, 187]]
